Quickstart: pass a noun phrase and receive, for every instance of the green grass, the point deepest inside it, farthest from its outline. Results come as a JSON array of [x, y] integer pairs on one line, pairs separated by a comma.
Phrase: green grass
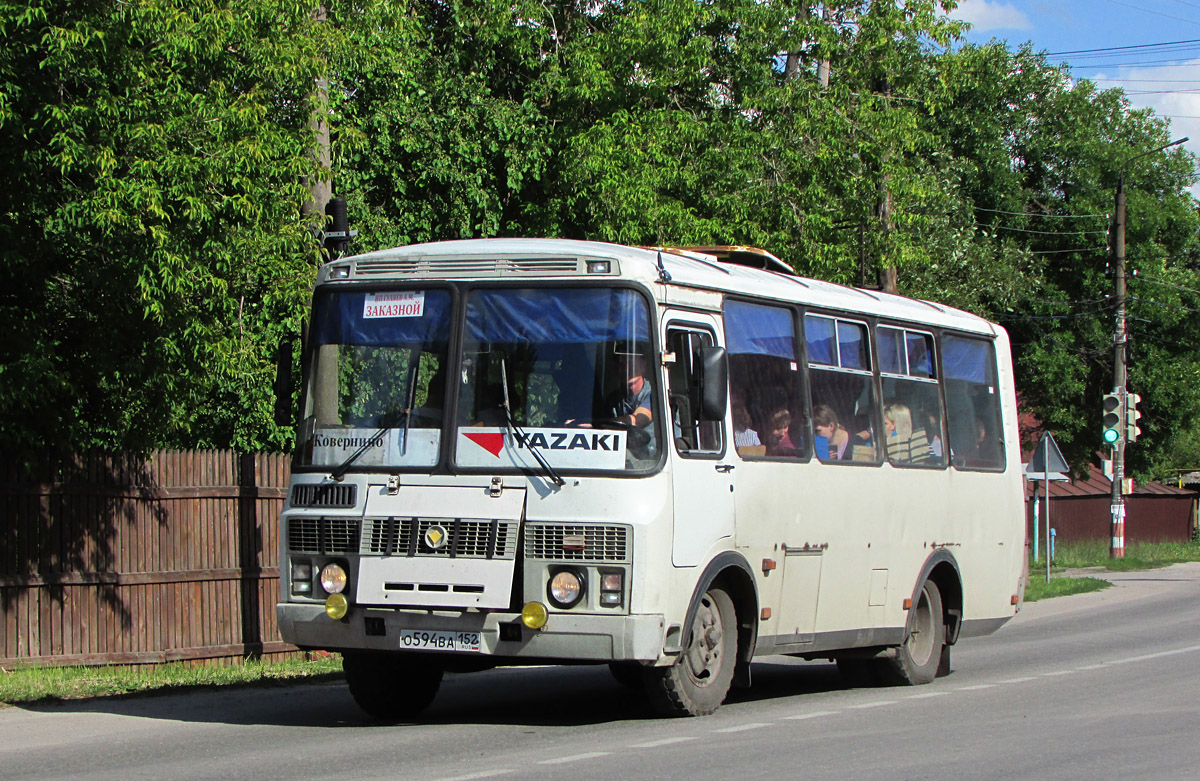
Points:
[[1095, 554], [1138, 556], [1038, 588], [49, 684]]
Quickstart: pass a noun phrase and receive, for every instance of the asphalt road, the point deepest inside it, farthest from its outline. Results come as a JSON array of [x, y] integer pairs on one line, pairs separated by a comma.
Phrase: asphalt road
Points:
[[1101, 685]]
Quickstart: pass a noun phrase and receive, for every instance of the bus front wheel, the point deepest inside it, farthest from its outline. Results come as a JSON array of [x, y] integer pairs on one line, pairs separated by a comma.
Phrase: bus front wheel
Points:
[[920, 655], [391, 687], [696, 684]]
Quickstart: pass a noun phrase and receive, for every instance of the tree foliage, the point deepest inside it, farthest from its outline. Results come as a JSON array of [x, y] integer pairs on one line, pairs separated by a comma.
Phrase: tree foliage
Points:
[[156, 252]]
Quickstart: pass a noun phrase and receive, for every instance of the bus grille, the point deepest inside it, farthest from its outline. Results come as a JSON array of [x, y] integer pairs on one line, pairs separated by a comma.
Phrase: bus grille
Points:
[[468, 538], [479, 267], [577, 542], [324, 495], [323, 535]]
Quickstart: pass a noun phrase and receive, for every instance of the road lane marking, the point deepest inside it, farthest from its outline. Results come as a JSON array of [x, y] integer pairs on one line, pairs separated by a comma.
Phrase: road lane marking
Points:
[[1021, 680], [480, 774], [927, 695], [875, 704], [1058, 672], [976, 687], [1091, 667], [743, 727], [813, 715], [574, 758], [663, 742], [1158, 655]]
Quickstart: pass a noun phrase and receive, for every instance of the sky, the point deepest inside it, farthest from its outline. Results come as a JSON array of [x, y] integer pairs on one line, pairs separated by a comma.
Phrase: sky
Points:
[[1151, 48]]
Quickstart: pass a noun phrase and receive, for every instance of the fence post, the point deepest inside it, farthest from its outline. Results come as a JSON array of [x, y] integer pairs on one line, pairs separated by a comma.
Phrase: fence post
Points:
[[249, 553]]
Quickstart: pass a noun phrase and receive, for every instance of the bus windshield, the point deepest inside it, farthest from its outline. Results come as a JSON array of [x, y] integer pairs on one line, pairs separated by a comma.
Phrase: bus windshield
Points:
[[563, 371], [546, 375], [376, 379]]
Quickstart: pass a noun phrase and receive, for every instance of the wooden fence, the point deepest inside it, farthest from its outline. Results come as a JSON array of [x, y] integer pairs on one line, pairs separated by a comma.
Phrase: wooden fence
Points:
[[113, 560]]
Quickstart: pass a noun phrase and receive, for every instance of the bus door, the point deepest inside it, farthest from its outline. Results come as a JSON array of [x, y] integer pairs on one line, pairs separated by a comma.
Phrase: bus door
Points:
[[701, 475]]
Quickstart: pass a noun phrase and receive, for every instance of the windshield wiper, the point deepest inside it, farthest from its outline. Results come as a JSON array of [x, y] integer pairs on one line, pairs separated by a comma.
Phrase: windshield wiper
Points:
[[389, 421], [520, 434], [409, 397]]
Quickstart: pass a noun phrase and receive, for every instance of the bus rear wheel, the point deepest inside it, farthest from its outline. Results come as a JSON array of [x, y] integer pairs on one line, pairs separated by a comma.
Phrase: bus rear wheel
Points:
[[696, 684], [391, 687], [920, 655]]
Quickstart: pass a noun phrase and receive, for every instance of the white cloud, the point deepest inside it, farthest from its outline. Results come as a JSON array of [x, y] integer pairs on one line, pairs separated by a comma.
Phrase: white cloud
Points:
[[1167, 90], [985, 16]]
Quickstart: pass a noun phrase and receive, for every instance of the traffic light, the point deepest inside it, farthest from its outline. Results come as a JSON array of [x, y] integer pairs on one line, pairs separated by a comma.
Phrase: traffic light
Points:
[[1114, 418], [1131, 417]]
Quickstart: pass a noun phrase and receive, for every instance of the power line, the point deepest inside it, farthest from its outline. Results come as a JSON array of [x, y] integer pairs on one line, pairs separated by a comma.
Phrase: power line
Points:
[[1039, 233], [1074, 249], [1154, 281], [1165, 306], [1041, 216], [1156, 13], [1128, 48], [1185, 62]]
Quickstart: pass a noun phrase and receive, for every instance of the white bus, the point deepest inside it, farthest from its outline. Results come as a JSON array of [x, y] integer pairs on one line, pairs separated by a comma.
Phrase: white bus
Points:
[[533, 451]]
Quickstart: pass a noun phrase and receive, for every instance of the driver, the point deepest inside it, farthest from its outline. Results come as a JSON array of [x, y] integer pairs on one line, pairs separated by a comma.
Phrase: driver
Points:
[[631, 405]]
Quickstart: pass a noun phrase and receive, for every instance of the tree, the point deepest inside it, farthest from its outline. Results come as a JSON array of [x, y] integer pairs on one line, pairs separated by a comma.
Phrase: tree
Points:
[[154, 251]]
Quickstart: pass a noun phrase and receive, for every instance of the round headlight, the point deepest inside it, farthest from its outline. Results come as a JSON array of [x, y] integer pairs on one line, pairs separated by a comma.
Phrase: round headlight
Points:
[[566, 588], [333, 578]]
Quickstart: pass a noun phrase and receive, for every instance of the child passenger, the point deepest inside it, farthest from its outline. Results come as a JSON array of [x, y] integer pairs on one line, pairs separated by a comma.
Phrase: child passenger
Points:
[[831, 440]]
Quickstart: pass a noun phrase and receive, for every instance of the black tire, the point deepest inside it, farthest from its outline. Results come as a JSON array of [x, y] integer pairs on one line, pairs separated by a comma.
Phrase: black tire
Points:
[[391, 687], [627, 674], [918, 658], [696, 684]]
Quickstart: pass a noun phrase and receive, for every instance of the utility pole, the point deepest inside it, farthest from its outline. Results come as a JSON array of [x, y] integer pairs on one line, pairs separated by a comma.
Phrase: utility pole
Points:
[[1120, 336]]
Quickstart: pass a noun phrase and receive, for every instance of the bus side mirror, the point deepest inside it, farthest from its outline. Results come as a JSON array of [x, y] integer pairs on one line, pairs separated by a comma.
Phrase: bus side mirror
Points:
[[714, 383], [283, 384]]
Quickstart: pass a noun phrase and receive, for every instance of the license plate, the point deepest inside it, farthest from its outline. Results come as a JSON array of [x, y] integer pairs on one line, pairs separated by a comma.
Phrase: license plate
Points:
[[423, 640]]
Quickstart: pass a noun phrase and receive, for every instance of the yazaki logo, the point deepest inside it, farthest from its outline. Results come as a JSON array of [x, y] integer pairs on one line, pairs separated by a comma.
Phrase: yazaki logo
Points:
[[491, 442], [564, 447]]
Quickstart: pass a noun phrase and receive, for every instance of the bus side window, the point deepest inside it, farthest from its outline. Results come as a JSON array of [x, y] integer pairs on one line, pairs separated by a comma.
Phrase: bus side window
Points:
[[691, 435], [843, 390], [766, 398], [972, 403], [912, 409]]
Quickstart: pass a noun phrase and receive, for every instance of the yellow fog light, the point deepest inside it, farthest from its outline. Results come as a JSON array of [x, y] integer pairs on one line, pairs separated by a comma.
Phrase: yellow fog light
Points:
[[336, 606], [534, 615]]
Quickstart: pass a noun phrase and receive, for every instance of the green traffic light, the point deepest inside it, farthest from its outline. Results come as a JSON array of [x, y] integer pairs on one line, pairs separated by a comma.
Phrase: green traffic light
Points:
[[1110, 436]]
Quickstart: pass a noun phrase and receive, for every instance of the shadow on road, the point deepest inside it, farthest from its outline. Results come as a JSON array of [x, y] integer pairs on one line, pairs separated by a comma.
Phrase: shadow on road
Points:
[[536, 697]]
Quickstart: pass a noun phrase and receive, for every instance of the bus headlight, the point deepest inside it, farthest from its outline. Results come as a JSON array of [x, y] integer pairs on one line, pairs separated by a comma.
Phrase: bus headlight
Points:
[[333, 578], [566, 588]]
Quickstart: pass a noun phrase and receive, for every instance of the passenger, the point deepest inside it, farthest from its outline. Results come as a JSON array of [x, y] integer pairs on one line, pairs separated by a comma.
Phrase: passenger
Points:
[[776, 434], [933, 430], [983, 449], [744, 437], [898, 431], [831, 440]]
